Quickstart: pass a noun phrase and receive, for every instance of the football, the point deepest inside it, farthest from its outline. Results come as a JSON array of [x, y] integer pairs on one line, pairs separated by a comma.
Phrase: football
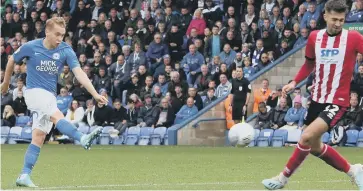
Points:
[[241, 134]]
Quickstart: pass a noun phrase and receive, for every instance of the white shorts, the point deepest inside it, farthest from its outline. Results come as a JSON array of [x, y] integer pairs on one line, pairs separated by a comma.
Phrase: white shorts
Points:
[[42, 104]]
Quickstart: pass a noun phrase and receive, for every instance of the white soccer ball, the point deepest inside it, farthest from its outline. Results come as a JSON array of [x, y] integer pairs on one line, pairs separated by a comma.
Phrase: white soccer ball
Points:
[[241, 134]]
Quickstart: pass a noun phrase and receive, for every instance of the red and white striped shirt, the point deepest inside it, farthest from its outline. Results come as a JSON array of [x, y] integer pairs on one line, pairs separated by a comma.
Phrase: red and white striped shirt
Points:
[[334, 65]]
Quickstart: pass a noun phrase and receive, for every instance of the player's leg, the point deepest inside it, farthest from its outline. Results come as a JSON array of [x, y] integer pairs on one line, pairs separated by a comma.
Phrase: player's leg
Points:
[[39, 131], [67, 128], [312, 133]]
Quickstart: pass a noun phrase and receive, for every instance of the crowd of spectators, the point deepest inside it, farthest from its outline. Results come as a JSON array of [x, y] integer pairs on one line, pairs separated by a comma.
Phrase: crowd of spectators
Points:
[[161, 61]]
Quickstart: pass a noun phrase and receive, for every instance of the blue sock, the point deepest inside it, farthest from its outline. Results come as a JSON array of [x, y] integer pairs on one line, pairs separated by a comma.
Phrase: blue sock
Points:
[[68, 129], [31, 157]]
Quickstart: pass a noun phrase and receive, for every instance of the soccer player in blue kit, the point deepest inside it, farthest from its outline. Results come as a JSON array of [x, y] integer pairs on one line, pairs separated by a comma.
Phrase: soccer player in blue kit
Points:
[[45, 58]]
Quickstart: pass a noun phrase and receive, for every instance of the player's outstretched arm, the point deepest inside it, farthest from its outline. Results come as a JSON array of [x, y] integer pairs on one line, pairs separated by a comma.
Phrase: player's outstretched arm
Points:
[[84, 80], [8, 72]]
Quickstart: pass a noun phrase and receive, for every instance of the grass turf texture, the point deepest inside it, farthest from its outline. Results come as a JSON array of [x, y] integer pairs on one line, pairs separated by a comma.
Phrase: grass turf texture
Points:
[[125, 167]]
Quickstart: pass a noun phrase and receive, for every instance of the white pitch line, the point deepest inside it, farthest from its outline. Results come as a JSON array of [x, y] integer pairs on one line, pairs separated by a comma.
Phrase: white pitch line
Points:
[[179, 184]]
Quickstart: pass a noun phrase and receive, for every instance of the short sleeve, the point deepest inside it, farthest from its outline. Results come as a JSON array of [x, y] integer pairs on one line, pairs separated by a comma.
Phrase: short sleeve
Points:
[[248, 86], [71, 59], [23, 51], [310, 46]]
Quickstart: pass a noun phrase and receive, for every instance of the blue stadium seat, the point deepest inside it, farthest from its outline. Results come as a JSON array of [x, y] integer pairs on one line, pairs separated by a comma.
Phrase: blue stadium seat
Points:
[[83, 129], [120, 140], [26, 135], [132, 135], [158, 136], [264, 139], [22, 121], [4, 134], [105, 135], [360, 139], [166, 140], [352, 138], [254, 141], [325, 138], [279, 138], [14, 134], [293, 135], [145, 133]]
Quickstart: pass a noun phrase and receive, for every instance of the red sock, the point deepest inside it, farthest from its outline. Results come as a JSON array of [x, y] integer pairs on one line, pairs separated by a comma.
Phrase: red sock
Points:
[[334, 159], [296, 159]]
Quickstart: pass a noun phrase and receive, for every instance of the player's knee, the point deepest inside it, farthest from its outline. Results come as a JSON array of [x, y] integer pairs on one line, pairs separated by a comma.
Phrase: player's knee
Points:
[[38, 137], [307, 139]]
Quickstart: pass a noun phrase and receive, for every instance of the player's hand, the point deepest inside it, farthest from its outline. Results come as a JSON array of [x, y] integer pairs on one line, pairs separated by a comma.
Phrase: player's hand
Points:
[[244, 109], [287, 88], [101, 99], [4, 87]]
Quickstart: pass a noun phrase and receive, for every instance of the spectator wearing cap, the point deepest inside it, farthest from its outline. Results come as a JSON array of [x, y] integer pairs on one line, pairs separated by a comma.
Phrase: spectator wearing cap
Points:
[[188, 110], [148, 115], [156, 50], [356, 15], [312, 13], [197, 22], [166, 114], [191, 63], [295, 115], [174, 40], [136, 58]]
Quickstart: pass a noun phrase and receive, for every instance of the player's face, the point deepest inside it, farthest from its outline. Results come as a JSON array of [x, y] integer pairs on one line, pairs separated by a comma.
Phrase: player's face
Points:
[[55, 35], [334, 22]]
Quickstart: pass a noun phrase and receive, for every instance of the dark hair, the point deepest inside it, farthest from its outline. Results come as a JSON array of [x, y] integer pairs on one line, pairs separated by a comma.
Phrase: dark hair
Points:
[[338, 6]]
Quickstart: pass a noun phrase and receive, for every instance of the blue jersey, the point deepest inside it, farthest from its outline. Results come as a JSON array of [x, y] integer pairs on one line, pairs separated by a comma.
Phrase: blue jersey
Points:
[[44, 65]]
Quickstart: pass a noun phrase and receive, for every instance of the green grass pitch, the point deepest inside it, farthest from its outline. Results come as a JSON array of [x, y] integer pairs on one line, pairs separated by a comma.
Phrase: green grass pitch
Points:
[[62, 167]]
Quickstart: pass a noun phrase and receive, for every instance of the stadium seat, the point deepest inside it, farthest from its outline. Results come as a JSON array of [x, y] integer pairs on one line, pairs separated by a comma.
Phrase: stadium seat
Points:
[[83, 129], [22, 121], [264, 138], [105, 135], [279, 137], [26, 135], [352, 138], [293, 135], [254, 141], [145, 133], [4, 134], [325, 138], [166, 138], [14, 134], [120, 140], [132, 135], [360, 139], [158, 136]]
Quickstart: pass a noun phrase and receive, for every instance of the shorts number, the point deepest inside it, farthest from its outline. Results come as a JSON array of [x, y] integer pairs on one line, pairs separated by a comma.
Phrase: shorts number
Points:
[[332, 110]]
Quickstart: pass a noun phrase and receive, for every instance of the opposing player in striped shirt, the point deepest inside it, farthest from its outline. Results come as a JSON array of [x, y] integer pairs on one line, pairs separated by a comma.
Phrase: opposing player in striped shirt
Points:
[[330, 53]]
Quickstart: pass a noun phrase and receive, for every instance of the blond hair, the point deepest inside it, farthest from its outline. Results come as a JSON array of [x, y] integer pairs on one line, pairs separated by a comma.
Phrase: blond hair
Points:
[[55, 21], [8, 112]]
